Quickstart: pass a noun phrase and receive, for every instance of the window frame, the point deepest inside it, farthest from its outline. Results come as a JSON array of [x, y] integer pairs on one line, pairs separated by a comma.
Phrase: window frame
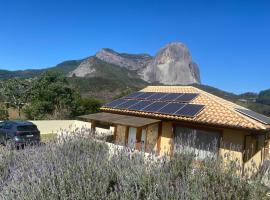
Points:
[[207, 129]]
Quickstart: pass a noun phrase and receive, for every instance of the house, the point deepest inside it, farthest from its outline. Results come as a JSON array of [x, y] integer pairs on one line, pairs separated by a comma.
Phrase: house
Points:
[[161, 118]]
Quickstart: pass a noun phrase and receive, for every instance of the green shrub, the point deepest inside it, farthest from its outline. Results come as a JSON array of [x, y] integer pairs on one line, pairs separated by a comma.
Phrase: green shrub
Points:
[[3, 113]]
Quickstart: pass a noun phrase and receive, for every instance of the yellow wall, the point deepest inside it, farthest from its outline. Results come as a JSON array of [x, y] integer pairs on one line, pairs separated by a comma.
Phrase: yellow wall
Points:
[[57, 126], [120, 135], [231, 146], [151, 138], [251, 166], [255, 153], [65, 126], [166, 139]]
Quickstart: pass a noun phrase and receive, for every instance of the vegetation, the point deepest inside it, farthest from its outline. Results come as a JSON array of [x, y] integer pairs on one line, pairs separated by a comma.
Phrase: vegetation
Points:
[[3, 112], [264, 97], [17, 92], [223, 94], [82, 168], [87, 106], [63, 68], [51, 97]]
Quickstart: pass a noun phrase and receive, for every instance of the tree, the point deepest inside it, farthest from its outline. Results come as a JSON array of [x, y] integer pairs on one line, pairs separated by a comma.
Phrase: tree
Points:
[[88, 106], [3, 112], [16, 92], [264, 97], [52, 98]]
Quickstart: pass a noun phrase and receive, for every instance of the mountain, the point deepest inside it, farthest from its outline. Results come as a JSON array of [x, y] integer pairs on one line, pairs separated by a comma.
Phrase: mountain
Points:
[[63, 68], [172, 65], [129, 61], [109, 74]]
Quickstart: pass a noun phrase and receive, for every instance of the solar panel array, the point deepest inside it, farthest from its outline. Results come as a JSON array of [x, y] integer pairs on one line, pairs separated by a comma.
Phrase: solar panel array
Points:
[[159, 96], [161, 107], [261, 118]]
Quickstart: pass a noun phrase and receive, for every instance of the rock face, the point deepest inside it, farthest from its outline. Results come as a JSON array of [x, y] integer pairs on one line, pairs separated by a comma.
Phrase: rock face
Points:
[[85, 69], [172, 65], [129, 61]]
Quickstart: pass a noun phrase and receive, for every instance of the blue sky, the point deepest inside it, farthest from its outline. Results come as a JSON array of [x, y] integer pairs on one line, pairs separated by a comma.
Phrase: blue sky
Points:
[[230, 40]]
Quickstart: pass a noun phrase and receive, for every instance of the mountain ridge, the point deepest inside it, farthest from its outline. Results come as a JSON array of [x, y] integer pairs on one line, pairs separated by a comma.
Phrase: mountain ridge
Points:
[[109, 74], [171, 65]]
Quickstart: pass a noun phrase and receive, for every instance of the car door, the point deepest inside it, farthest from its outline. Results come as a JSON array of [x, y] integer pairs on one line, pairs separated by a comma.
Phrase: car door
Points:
[[7, 130]]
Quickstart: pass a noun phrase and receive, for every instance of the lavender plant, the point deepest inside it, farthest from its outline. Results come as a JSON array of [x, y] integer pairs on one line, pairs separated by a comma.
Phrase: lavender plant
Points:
[[77, 166]]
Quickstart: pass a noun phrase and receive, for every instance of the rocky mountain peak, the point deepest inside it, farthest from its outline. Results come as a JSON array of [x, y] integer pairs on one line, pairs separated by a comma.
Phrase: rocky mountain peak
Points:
[[174, 51], [172, 65], [85, 69], [129, 61], [107, 51]]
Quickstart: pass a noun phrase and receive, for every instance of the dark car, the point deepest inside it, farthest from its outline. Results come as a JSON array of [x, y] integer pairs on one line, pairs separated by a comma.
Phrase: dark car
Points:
[[18, 133]]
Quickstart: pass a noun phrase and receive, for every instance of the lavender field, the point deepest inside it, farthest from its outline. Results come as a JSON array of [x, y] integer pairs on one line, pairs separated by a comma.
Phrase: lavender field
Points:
[[80, 167]]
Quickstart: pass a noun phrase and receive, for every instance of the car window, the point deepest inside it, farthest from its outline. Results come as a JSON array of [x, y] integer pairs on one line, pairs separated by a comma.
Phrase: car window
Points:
[[8, 126], [27, 128], [2, 124]]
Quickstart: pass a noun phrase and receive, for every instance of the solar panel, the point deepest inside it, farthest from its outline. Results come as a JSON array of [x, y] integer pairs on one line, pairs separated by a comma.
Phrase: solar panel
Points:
[[171, 96], [154, 107], [140, 105], [189, 110], [115, 103], [261, 118], [145, 95], [171, 108], [156, 96], [187, 97], [133, 95], [127, 104]]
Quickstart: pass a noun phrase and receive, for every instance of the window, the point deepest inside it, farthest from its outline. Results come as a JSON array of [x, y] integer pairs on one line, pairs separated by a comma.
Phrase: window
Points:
[[132, 133], [253, 144], [2, 124], [27, 128], [202, 143], [8, 125]]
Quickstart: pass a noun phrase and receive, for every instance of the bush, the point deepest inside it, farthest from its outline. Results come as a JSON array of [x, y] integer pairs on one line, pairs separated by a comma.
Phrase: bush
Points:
[[88, 106], [79, 167], [3, 113]]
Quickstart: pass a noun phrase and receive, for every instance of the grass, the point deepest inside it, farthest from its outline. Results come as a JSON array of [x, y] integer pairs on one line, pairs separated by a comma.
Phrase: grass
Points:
[[79, 167]]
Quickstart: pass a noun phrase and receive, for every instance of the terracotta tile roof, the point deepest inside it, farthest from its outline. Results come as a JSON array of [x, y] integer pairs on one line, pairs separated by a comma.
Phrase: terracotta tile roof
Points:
[[217, 111]]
